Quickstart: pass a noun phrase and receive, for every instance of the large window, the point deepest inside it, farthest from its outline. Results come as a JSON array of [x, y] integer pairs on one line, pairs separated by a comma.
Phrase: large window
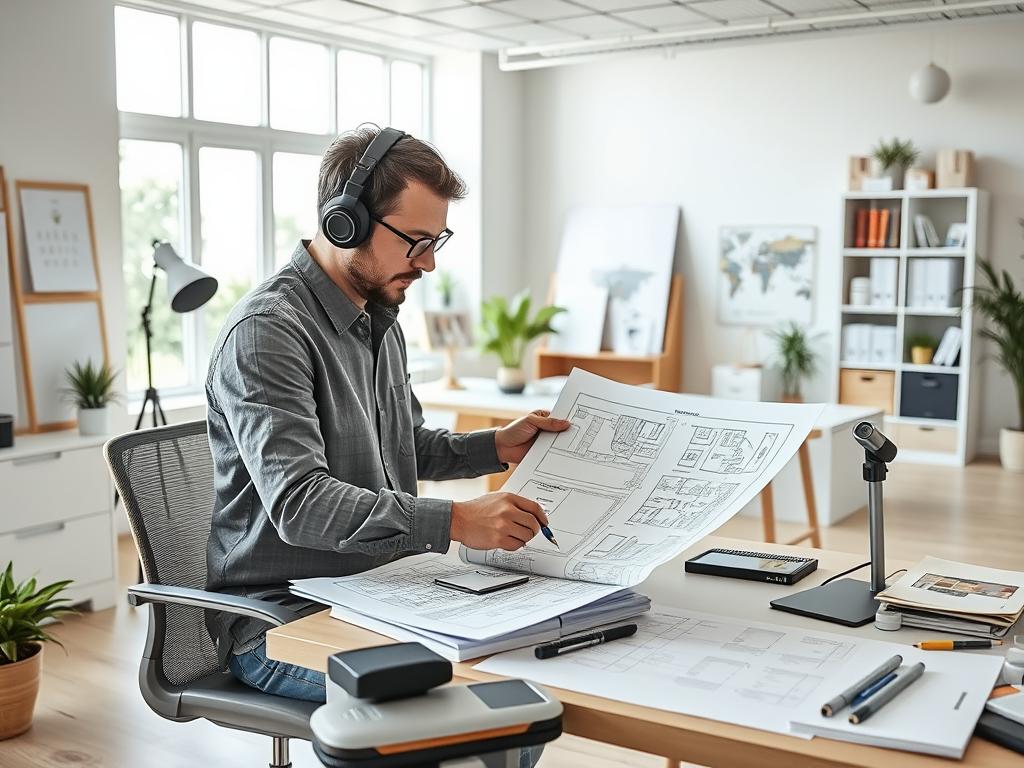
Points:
[[222, 131]]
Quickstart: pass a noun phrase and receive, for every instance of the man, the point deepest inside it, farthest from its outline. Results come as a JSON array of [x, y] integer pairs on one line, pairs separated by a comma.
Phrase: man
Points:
[[317, 439]]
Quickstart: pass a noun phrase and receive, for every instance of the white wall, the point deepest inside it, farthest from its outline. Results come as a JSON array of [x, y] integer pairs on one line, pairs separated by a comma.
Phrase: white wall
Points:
[[58, 122], [760, 135]]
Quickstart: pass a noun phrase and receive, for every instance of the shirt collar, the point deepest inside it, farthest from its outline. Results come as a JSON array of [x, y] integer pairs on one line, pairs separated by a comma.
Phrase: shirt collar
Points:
[[339, 307]]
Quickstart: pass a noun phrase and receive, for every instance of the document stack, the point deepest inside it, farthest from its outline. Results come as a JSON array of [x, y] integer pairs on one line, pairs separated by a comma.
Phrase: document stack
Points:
[[947, 596], [401, 600]]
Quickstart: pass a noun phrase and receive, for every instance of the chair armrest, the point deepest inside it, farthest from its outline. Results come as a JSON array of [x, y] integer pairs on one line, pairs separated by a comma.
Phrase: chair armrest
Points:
[[276, 614]]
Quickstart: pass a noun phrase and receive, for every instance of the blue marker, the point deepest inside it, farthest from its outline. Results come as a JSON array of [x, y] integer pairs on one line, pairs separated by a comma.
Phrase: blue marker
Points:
[[548, 535], [871, 690]]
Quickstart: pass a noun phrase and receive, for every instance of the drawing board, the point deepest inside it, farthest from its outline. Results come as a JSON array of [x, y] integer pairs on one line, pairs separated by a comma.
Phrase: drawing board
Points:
[[615, 259], [60, 334]]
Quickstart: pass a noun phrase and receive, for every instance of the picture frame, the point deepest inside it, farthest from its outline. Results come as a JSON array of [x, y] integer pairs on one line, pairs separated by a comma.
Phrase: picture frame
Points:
[[60, 244], [447, 330], [956, 235]]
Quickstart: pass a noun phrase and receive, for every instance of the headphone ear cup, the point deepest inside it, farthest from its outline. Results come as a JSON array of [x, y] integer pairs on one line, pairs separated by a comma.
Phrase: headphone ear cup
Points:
[[345, 221]]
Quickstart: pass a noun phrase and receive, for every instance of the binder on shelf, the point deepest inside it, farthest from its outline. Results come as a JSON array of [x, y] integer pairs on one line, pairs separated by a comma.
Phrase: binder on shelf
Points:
[[884, 274], [883, 344], [857, 343], [942, 281], [860, 239], [917, 283]]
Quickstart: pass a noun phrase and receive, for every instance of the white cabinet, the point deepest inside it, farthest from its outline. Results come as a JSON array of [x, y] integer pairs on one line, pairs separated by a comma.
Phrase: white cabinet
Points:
[[56, 517], [753, 384], [917, 294]]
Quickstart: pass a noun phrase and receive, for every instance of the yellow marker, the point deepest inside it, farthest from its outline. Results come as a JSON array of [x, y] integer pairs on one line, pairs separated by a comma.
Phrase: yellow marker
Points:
[[956, 645]]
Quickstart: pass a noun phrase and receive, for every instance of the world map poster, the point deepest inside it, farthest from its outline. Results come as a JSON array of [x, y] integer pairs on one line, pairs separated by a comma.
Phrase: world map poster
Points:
[[766, 275]]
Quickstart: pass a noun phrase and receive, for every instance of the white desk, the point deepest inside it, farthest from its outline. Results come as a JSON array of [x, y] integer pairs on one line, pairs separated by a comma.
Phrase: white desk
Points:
[[836, 458]]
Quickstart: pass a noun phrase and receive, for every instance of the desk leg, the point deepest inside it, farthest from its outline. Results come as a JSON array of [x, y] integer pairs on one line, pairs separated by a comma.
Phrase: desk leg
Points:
[[808, 483], [768, 513], [670, 763], [469, 423]]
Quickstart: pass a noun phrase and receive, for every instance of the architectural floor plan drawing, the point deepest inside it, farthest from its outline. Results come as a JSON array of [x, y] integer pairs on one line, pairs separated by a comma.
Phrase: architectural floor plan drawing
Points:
[[642, 474], [711, 666]]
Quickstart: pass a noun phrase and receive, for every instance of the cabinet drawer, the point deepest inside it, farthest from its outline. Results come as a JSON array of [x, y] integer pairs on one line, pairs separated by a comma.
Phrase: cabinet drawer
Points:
[[862, 387], [53, 486], [917, 437], [81, 550], [731, 383], [929, 395]]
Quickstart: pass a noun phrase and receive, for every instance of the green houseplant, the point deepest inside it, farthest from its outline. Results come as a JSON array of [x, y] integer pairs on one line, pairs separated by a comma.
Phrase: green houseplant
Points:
[[922, 348], [91, 389], [23, 609], [794, 358], [507, 329], [1000, 302], [894, 157], [445, 284]]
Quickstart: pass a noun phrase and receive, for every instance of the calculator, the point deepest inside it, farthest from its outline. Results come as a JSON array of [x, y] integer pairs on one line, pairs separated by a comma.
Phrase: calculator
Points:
[[755, 566]]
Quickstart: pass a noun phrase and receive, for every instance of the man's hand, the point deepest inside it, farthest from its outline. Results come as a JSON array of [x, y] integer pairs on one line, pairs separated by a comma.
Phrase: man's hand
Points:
[[516, 439], [496, 521]]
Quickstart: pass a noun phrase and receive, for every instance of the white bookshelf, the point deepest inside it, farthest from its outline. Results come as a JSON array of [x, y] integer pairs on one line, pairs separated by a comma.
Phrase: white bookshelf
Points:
[[952, 438]]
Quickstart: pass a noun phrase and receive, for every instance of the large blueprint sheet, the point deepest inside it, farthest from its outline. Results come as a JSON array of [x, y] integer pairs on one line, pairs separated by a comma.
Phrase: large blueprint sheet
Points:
[[641, 474]]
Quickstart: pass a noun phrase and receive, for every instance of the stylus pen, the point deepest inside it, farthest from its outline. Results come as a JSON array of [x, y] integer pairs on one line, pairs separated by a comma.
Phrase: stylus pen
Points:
[[956, 645], [870, 691], [844, 698], [550, 650], [887, 694], [548, 535]]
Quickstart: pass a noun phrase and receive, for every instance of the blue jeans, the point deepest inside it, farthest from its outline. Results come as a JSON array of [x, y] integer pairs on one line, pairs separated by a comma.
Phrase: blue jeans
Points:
[[257, 671]]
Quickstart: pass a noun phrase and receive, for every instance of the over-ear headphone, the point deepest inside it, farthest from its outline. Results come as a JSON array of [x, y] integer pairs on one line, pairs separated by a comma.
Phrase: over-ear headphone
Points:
[[344, 220]]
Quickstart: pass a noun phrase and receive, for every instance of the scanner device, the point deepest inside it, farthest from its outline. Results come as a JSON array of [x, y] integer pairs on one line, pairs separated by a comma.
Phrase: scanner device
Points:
[[390, 707]]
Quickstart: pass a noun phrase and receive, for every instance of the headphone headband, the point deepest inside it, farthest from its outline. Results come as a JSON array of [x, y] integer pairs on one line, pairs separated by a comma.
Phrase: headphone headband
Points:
[[345, 220]]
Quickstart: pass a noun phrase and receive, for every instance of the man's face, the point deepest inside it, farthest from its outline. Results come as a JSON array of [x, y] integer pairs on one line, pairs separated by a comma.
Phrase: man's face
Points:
[[379, 270]]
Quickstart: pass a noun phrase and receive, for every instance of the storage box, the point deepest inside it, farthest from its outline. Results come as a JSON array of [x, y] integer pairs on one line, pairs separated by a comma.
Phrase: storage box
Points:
[[929, 395], [954, 168], [916, 179], [918, 437], [862, 387], [860, 168]]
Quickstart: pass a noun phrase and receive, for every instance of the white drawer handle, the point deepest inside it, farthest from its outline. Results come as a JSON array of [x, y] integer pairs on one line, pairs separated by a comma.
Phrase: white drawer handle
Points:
[[39, 457], [39, 530]]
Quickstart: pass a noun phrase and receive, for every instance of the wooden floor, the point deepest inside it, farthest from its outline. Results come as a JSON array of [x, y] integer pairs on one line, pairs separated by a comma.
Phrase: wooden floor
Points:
[[90, 712]]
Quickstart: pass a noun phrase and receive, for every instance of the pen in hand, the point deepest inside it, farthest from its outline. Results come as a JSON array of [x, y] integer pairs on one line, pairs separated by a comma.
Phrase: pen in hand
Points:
[[548, 535]]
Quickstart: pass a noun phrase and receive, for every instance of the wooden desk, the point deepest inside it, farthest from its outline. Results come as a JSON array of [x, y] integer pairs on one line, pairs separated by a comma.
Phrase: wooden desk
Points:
[[309, 641]]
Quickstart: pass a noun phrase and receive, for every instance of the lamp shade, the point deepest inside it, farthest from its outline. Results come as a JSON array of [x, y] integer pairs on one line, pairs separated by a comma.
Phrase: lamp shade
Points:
[[188, 287], [929, 84]]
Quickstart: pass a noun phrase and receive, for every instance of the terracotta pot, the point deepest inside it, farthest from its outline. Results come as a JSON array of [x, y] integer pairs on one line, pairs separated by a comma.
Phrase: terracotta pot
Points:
[[1011, 449], [511, 381], [19, 684], [791, 399], [921, 355]]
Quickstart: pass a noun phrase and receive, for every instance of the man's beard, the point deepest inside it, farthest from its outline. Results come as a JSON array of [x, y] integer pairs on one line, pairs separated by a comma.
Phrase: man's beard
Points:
[[371, 283]]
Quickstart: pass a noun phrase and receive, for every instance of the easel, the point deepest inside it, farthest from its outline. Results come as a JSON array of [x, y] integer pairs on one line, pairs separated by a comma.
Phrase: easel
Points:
[[664, 370]]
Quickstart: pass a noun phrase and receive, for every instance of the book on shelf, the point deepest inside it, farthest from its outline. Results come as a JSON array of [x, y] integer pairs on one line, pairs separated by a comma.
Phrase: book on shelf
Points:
[[925, 232], [873, 215], [894, 229], [949, 346], [957, 597], [883, 228], [860, 239]]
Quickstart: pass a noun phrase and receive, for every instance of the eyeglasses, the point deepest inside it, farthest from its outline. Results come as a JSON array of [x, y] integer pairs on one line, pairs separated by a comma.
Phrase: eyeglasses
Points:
[[420, 246]]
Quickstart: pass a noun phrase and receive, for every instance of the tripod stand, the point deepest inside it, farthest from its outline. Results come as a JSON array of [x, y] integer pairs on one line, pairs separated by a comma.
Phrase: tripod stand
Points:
[[151, 394]]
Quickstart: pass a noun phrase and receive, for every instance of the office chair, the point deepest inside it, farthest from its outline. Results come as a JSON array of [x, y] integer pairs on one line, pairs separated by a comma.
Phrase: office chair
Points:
[[165, 477]]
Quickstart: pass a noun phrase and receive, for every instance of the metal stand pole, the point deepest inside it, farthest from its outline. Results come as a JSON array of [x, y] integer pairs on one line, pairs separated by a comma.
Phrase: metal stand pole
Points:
[[874, 474], [151, 394]]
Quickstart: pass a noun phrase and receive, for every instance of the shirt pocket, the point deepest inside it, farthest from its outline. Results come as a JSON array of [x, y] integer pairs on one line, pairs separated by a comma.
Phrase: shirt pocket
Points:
[[398, 417]]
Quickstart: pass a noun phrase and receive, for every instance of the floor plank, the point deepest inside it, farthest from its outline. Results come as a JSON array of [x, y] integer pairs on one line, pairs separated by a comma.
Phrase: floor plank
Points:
[[90, 712]]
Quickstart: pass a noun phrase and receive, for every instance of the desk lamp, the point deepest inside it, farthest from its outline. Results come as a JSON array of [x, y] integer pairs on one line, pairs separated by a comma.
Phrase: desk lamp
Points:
[[188, 288], [852, 602]]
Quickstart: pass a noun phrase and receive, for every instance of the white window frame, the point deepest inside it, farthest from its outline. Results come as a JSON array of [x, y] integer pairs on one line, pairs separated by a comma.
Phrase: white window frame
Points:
[[192, 134]]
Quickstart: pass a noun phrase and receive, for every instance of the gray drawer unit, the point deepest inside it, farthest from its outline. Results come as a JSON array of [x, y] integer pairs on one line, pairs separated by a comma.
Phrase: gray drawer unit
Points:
[[929, 395]]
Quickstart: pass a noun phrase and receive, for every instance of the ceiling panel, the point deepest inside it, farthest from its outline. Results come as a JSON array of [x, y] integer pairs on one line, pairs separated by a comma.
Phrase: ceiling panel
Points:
[[283, 16], [472, 41], [539, 10], [534, 34], [799, 7], [413, 6], [472, 17], [608, 6], [737, 10], [335, 10], [408, 26], [598, 25], [663, 17]]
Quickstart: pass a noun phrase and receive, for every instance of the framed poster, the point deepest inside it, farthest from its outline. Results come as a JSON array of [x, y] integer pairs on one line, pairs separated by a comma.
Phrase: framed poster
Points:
[[58, 237], [766, 275]]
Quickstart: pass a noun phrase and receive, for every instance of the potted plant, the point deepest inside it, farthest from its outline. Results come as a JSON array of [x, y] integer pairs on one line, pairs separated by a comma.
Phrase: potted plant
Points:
[[506, 329], [445, 285], [91, 389], [1002, 304], [23, 608], [794, 358], [894, 158], [922, 348]]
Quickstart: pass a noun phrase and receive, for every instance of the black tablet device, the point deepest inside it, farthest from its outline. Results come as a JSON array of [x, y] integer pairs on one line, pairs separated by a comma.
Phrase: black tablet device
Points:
[[756, 566]]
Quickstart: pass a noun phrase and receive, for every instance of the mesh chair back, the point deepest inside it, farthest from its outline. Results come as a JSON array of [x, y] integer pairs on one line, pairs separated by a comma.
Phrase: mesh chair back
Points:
[[165, 478]]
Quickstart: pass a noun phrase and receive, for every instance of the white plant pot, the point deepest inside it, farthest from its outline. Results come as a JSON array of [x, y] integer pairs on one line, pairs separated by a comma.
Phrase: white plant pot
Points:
[[1011, 449], [94, 421], [511, 381]]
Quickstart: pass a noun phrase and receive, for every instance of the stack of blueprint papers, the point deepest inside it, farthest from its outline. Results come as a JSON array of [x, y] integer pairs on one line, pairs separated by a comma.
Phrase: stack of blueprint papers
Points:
[[401, 600], [639, 476]]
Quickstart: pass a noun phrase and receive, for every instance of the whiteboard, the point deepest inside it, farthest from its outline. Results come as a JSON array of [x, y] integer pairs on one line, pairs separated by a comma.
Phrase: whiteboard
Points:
[[58, 241], [60, 334]]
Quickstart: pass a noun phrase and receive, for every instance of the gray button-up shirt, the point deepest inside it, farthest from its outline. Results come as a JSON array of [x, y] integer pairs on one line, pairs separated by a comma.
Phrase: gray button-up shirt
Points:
[[317, 444]]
